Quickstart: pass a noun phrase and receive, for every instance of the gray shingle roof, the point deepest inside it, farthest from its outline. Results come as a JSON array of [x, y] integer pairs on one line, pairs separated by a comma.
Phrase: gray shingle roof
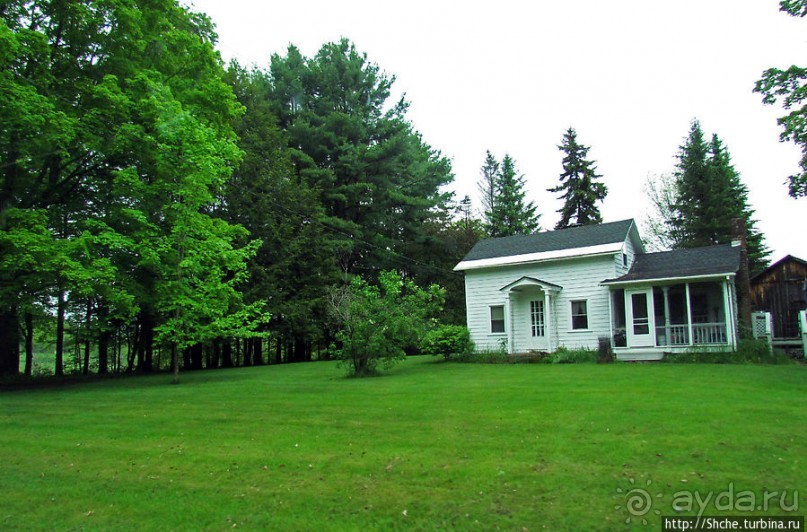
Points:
[[711, 260], [573, 237]]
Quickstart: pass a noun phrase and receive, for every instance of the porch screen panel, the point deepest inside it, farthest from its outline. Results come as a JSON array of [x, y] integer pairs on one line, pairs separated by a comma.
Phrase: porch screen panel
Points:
[[537, 317], [641, 320]]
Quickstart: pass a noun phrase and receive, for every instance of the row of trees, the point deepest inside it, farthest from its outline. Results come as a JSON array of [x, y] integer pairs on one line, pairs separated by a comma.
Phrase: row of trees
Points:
[[116, 140], [502, 188], [155, 205], [158, 205], [694, 206]]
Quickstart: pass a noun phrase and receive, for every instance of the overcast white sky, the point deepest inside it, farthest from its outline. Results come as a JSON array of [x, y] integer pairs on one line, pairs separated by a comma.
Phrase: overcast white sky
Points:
[[512, 76]]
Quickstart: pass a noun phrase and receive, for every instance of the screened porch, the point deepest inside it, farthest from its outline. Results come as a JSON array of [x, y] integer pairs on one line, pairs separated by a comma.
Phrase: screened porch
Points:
[[673, 315]]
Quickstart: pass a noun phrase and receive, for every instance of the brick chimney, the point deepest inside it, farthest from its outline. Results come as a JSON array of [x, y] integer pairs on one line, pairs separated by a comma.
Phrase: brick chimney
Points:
[[743, 280]]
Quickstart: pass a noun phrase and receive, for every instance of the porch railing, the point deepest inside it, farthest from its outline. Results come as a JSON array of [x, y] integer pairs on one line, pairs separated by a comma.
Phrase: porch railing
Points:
[[702, 334], [708, 333], [673, 335]]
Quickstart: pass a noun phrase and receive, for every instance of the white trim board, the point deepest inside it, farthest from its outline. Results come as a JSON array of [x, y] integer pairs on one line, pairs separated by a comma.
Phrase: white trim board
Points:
[[602, 249]]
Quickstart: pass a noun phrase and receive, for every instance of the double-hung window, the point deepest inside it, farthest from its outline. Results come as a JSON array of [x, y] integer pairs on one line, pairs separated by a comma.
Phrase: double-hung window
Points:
[[497, 319], [579, 315]]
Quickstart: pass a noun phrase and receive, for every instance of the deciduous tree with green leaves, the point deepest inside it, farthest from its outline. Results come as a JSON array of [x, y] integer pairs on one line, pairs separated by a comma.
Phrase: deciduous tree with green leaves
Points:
[[376, 322], [790, 87], [116, 123]]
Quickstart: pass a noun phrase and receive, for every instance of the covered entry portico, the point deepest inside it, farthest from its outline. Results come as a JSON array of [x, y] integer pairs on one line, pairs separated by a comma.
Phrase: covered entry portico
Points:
[[529, 312]]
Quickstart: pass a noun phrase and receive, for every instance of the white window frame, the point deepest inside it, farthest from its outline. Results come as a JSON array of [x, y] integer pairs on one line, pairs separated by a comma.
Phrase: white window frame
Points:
[[503, 320], [572, 315]]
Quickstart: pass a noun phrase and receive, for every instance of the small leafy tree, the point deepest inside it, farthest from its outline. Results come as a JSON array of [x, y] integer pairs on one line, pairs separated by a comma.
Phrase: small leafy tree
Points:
[[660, 229], [448, 341], [376, 322]]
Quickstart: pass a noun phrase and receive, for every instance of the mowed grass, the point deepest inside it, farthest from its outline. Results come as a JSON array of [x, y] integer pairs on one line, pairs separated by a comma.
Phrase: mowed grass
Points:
[[429, 445]]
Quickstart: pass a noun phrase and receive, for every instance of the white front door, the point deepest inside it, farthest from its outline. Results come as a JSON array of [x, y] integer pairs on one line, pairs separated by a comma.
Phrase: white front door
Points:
[[639, 314], [537, 332]]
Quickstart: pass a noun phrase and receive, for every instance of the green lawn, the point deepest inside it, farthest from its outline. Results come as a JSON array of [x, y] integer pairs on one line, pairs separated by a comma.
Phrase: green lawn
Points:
[[429, 445]]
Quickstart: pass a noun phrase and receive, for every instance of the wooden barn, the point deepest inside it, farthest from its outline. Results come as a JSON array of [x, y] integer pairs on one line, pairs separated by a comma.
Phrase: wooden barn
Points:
[[781, 290]]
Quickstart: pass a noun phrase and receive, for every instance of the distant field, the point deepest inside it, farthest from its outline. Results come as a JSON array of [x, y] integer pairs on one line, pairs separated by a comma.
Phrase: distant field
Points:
[[429, 445]]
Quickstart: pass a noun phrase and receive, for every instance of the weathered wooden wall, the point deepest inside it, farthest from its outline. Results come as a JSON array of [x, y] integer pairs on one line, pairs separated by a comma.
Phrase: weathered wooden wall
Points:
[[782, 291]]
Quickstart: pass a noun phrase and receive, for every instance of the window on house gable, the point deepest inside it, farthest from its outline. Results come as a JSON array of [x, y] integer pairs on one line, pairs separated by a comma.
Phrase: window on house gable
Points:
[[579, 315], [497, 319]]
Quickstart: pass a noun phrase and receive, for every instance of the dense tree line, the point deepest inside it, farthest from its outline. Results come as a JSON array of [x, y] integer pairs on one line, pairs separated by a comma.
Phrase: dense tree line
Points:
[[158, 209]]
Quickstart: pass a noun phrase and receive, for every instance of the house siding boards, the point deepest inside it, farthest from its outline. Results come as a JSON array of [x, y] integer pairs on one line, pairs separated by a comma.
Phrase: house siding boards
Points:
[[579, 280]]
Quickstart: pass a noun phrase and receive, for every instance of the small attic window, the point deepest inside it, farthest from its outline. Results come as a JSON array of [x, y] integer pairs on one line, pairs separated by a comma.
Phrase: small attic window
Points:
[[624, 259]]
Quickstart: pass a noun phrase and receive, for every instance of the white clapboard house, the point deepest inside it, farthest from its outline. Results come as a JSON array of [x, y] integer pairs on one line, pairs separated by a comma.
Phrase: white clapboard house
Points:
[[533, 293]]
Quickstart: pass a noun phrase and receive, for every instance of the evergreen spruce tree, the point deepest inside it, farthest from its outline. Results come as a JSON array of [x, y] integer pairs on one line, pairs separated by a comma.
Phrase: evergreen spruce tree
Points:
[[735, 206], [581, 191], [488, 189], [710, 195], [511, 215], [694, 203]]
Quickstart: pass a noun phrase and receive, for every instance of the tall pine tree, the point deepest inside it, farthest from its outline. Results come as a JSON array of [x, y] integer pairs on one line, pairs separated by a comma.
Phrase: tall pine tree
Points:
[[710, 195], [487, 188], [511, 214], [379, 183], [580, 190]]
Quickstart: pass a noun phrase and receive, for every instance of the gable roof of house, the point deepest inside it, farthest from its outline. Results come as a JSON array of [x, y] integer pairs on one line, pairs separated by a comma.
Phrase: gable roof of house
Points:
[[601, 238], [710, 261]]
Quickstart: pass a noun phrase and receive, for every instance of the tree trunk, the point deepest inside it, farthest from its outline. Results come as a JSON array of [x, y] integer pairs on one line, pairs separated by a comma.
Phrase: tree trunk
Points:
[[257, 351], [743, 280], [214, 362], [86, 366], [227, 354], [278, 351], [104, 336], [9, 342], [175, 363], [132, 350], [299, 349], [145, 349], [197, 354], [60, 307], [186, 359], [247, 351], [29, 343]]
